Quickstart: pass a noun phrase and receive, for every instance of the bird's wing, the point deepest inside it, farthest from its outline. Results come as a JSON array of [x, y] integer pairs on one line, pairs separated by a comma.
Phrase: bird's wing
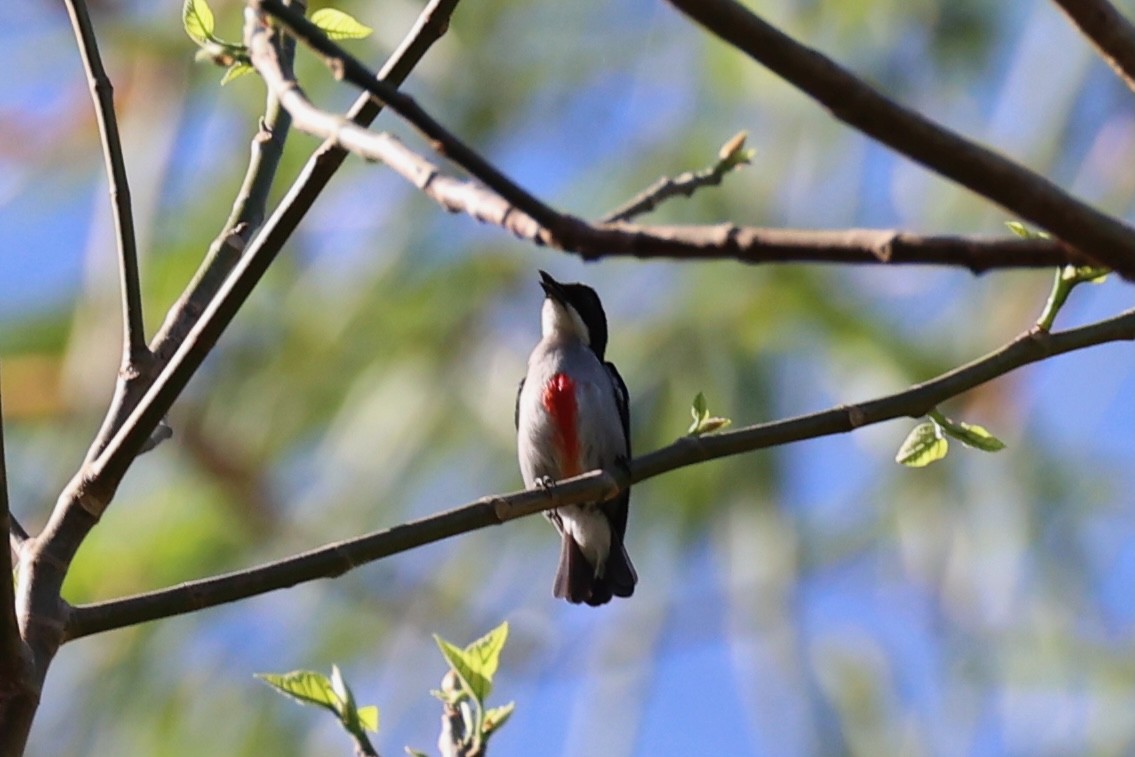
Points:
[[516, 412], [617, 508], [623, 400]]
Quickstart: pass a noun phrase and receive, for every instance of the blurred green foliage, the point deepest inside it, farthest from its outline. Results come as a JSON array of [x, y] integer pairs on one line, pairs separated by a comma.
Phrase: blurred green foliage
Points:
[[371, 378]]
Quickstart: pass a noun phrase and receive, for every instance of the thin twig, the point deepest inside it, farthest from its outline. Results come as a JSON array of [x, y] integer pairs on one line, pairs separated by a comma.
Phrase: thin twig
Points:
[[336, 559], [750, 245], [731, 157], [102, 93], [245, 218], [1026, 194], [1109, 31]]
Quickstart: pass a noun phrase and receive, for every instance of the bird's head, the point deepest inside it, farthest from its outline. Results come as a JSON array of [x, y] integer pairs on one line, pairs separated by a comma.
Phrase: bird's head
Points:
[[573, 311]]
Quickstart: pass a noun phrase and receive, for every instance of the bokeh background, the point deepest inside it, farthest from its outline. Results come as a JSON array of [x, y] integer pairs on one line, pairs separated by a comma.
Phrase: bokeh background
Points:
[[813, 599]]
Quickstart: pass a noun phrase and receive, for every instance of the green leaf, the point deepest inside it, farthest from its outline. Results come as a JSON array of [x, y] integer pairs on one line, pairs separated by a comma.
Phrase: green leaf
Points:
[[235, 71], [306, 686], [476, 663], [1018, 228], [415, 752], [486, 651], [339, 25], [472, 681], [709, 425], [498, 716], [197, 18], [968, 434], [368, 718], [698, 409], [699, 412], [923, 445], [703, 423], [1024, 232]]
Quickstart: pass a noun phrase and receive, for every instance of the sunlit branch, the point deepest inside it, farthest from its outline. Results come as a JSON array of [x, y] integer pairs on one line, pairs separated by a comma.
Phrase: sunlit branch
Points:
[[1109, 31], [259, 37], [335, 559], [93, 487], [747, 244], [1026, 194], [732, 156], [324, 162], [243, 222], [102, 93]]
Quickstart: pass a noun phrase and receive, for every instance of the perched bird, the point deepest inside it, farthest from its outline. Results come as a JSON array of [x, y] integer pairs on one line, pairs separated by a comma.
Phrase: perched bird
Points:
[[572, 416]]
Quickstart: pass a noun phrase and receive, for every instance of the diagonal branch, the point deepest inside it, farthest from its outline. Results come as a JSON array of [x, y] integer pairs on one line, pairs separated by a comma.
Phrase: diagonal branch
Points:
[[1111, 33], [93, 487], [732, 156], [750, 245], [245, 218], [431, 25], [102, 93], [336, 559], [258, 35], [1027, 194]]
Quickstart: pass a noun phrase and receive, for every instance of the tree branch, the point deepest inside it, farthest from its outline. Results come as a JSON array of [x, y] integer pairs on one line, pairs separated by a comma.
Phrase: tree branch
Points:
[[750, 245], [1023, 192], [102, 93], [338, 558], [244, 220], [11, 645], [431, 25], [731, 157], [95, 486], [1112, 35], [19, 692], [259, 36]]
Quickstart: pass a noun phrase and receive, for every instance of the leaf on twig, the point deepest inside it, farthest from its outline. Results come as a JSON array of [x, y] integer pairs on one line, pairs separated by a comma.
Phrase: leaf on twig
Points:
[[703, 423], [368, 717], [969, 434], [497, 716], [197, 18], [923, 445], [235, 71], [305, 686], [476, 664], [333, 694], [733, 152], [1024, 232], [339, 25]]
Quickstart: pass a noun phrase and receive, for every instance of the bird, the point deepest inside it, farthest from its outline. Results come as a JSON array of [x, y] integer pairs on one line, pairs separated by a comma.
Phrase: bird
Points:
[[572, 416]]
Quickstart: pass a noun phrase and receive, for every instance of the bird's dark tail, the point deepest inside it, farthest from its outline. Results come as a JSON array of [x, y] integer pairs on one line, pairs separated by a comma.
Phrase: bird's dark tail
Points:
[[576, 580]]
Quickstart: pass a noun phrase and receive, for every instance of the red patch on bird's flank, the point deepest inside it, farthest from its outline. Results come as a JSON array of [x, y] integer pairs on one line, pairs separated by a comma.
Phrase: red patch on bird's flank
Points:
[[559, 401]]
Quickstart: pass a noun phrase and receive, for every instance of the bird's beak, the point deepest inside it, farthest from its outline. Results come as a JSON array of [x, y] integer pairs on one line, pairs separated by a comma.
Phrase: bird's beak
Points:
[[552, 288]]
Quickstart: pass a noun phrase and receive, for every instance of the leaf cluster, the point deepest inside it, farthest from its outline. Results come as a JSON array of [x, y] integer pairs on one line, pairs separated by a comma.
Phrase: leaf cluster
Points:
[[199, 23]]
